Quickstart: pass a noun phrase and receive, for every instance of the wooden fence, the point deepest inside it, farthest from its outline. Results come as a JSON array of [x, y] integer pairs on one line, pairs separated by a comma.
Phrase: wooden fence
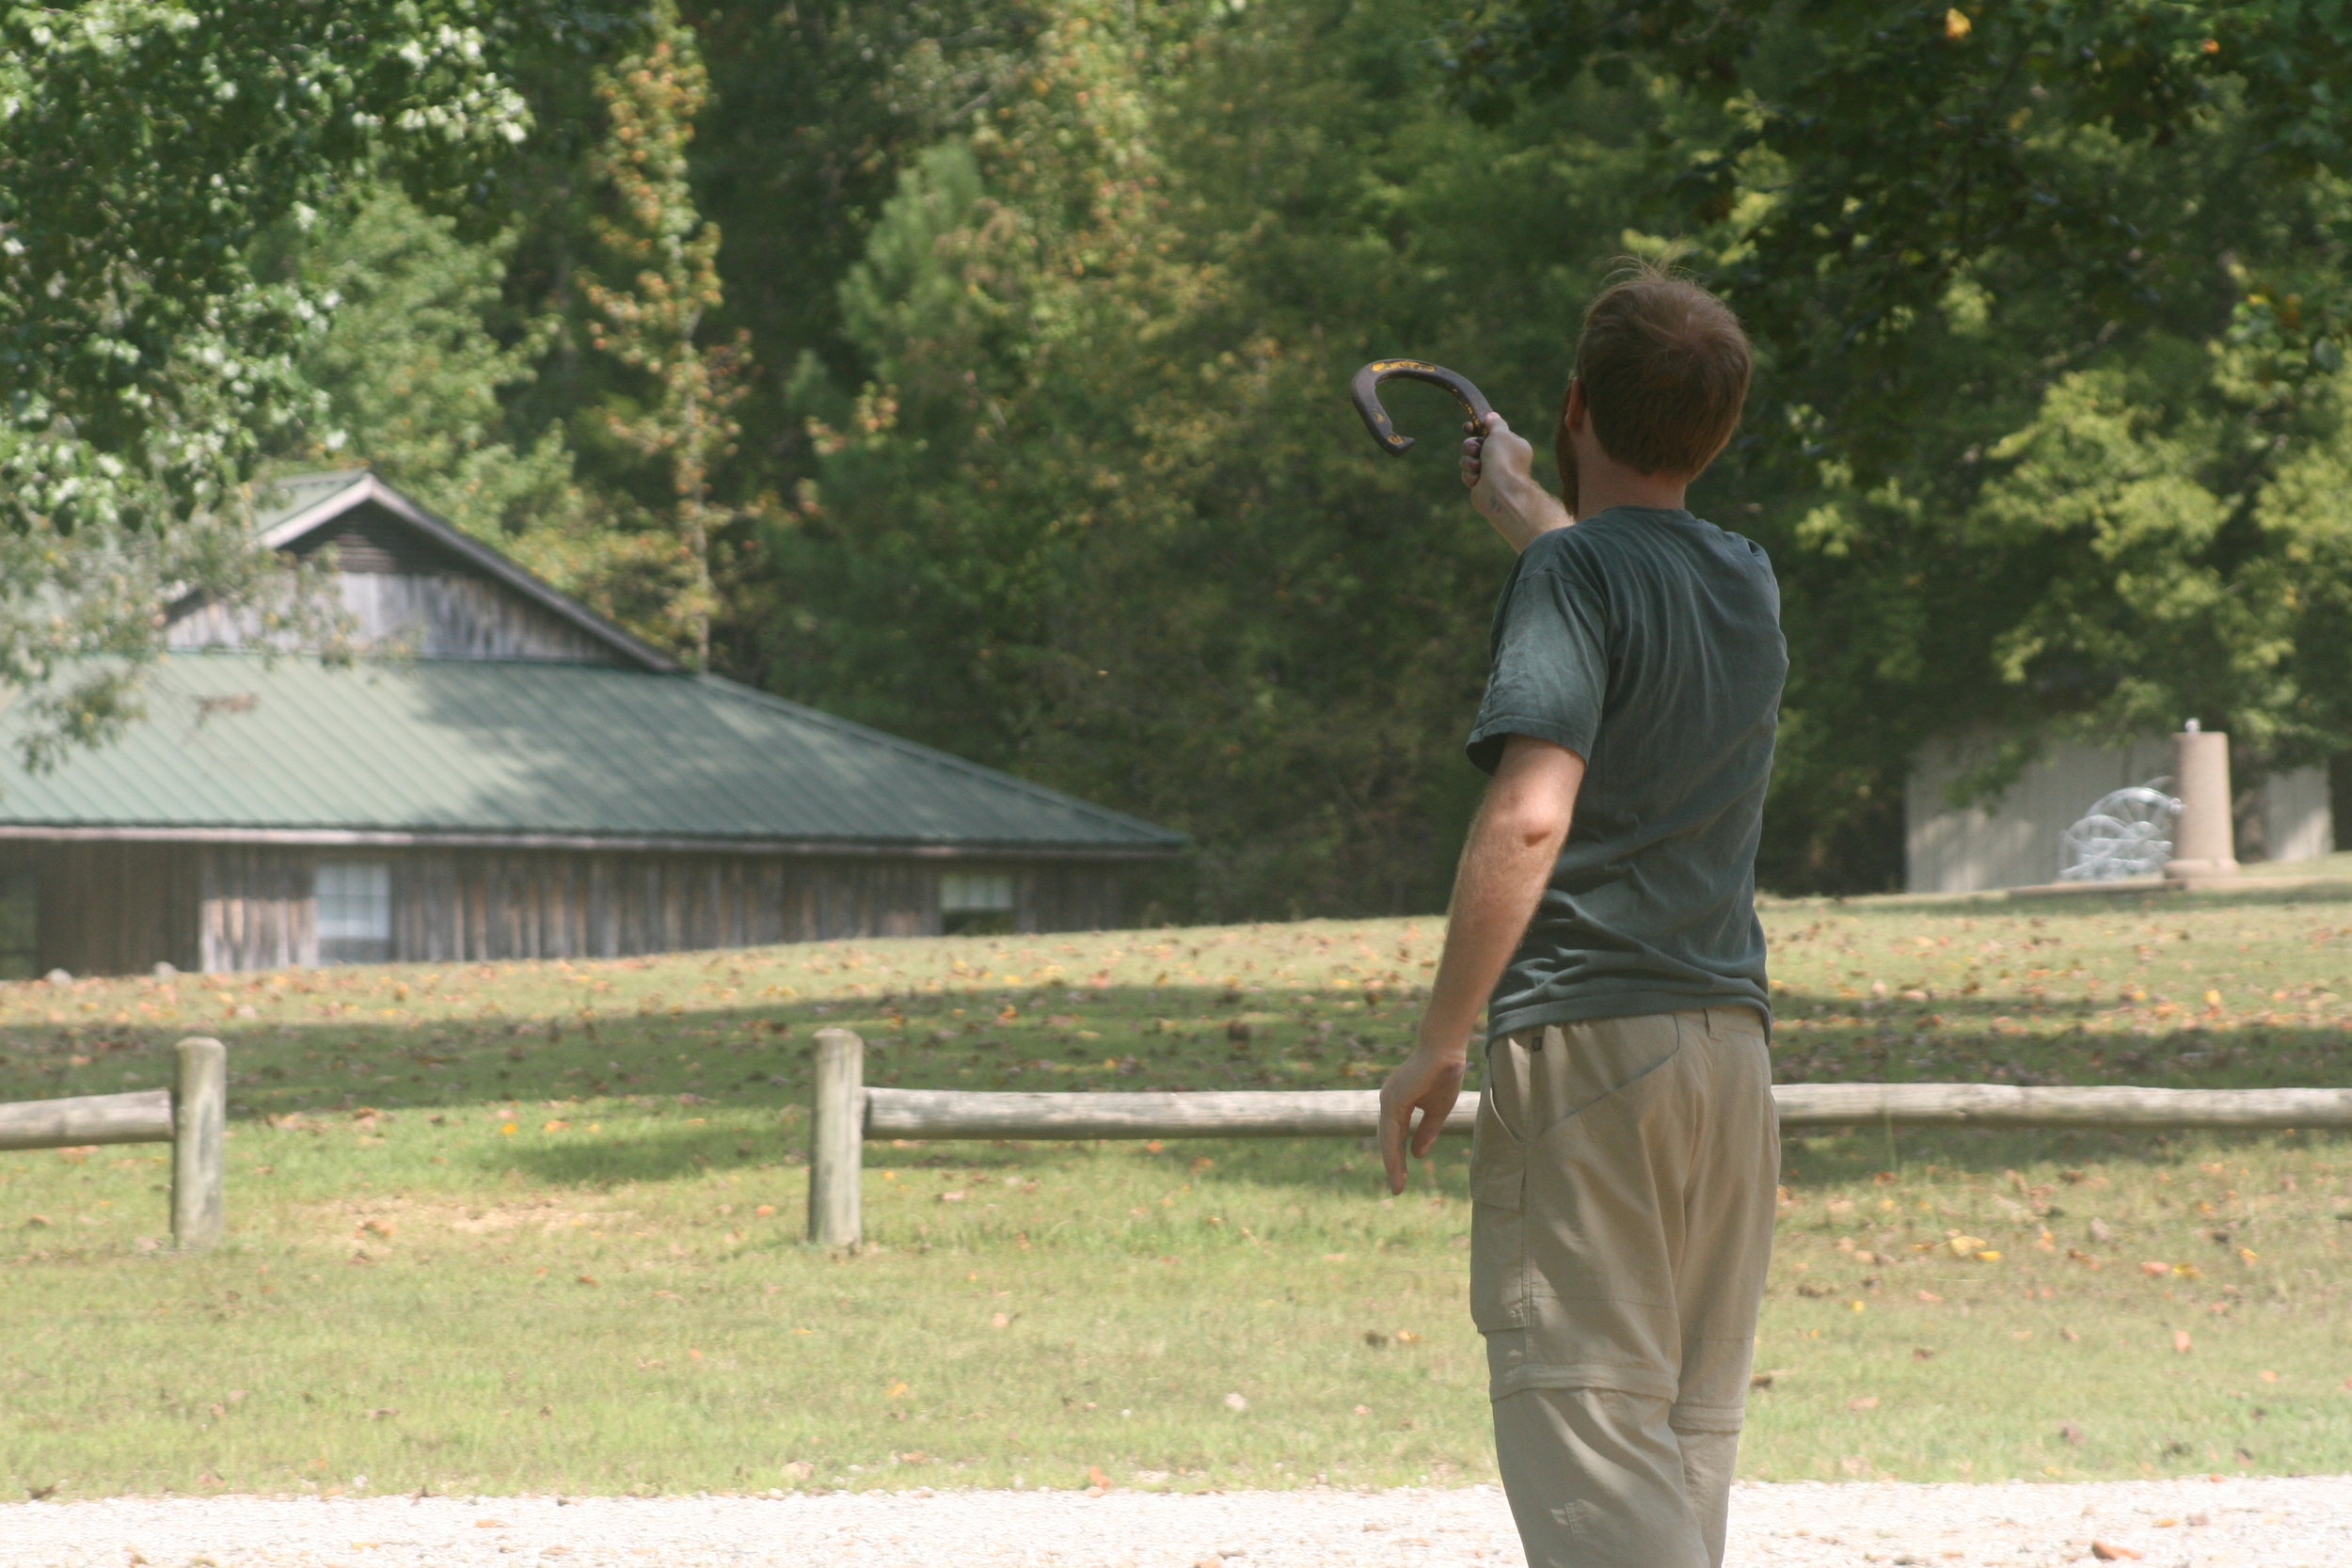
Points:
[[846, 1113], [191, 1116]]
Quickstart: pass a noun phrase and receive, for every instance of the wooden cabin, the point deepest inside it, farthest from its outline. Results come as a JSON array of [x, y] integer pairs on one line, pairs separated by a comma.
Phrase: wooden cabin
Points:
[[504, 773]]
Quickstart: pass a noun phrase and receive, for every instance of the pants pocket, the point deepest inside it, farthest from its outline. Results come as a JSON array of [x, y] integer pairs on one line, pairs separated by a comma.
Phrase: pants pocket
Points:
[[1497, 1221]]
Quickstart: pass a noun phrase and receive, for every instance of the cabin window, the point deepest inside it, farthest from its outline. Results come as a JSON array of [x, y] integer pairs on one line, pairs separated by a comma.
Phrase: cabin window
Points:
[[20, 915], [976, 903], [354, 900]]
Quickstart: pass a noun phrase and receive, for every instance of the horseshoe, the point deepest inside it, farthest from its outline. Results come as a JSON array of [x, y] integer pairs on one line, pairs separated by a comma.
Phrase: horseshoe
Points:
[[1365, 389]]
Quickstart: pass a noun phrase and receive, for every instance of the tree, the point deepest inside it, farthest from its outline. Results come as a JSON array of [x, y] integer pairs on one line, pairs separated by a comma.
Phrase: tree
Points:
[[147, 145], [1097, 509], [653, 230], [417, 363], [2047, 296]]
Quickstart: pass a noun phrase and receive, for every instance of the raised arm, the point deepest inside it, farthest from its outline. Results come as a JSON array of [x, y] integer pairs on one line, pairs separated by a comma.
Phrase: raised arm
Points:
[[1508, 859]]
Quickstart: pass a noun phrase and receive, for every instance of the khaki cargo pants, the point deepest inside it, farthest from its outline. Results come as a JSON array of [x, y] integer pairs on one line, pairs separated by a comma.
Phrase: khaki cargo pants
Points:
[[1624, 1175]]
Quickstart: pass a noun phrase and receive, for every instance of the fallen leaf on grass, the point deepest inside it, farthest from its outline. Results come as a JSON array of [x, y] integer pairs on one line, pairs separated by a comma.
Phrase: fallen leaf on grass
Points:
[[589, 1279], [1096, 1478], [1863, 1401], [2181, 1341], [381, 1413], [1929, 1297], [1236, 1402], [2154, 1270], [896, 1391]]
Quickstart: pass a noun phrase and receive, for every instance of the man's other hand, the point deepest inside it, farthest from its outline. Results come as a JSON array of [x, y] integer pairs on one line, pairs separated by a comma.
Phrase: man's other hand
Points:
[[1428, 1081]]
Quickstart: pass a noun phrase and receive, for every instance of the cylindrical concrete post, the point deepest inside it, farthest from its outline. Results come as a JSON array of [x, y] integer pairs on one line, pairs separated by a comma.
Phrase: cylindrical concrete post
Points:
[[200, 1155], [2203, 841], [837, 1140]]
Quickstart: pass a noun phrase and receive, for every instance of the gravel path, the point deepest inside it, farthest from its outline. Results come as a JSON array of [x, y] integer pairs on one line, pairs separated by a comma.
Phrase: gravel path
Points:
[[2264, 1522]]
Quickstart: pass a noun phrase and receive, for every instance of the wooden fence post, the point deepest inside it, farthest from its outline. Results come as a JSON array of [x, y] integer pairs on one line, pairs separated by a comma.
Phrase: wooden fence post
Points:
[[837, 1140], [199, 1109]]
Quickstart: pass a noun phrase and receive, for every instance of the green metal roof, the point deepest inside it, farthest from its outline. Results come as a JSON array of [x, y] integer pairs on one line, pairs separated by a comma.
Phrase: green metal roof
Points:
[[238, 743]]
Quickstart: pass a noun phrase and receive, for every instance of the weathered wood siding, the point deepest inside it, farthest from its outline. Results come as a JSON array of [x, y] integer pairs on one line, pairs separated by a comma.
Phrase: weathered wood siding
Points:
[[257, 909], [429, 615], [1067, 897], [546, 904], [113, 909]]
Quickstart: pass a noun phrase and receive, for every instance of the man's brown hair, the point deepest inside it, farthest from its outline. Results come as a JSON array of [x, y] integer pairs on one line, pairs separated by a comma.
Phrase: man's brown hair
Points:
[[1665, 371]]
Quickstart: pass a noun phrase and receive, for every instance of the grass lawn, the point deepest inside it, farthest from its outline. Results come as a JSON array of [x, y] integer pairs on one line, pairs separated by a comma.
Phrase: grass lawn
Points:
[[536, 1226]]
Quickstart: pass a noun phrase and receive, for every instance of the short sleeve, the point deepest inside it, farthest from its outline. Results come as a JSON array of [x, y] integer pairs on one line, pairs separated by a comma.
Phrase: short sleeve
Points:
[[1550, 675]]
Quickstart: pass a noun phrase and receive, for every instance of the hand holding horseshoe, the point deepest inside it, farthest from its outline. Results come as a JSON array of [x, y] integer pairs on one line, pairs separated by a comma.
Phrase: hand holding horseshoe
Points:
[[1504, 491]]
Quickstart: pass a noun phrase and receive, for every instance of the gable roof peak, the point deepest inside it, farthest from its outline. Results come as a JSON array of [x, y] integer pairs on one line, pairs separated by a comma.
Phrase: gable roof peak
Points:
[[293, 509]]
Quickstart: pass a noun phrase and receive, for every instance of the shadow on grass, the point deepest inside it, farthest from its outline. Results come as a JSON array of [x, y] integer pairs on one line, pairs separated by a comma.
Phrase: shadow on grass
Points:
[[1832, 1157]]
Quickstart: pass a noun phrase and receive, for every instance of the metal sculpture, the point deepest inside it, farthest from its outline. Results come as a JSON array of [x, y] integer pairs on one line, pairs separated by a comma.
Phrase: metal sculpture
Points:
[[2127, 833]]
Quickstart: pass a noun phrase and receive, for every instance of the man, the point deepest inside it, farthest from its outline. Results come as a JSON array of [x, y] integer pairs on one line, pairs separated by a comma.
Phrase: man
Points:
[[1626, 1155]]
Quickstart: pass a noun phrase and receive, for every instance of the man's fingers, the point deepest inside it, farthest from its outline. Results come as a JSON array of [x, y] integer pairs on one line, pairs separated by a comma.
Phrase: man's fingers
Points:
[[1436, 1106], [1393, 1119]]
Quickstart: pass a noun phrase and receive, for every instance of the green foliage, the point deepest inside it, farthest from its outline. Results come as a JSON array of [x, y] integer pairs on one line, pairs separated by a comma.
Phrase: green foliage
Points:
[[668, 253], [974, 367], [2049, 299], [1098, 511], [146, 147], [416, 364]]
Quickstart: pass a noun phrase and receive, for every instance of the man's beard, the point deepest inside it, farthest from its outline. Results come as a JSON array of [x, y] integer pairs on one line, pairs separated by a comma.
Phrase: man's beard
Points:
[[1563, 452]]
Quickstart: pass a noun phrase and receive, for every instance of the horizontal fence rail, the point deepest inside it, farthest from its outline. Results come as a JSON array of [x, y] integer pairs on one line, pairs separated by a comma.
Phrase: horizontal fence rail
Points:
[[192, 1117], [141, 1118], [1206, 1113], [846, 1113], [2088, 1105]]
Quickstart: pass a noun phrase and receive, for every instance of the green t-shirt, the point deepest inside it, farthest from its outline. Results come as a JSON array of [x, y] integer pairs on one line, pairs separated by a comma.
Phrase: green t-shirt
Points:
[[1647, 642]]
